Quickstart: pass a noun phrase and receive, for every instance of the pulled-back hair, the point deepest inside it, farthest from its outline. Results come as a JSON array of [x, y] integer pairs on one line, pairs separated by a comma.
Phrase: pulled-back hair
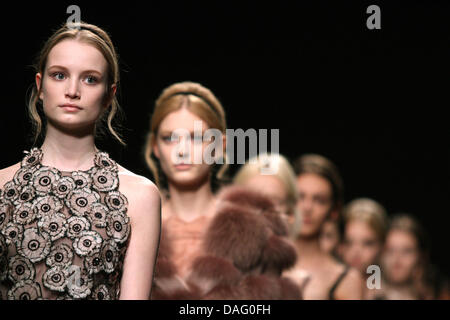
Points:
[[370, 212], [200, 101], [98, 38]]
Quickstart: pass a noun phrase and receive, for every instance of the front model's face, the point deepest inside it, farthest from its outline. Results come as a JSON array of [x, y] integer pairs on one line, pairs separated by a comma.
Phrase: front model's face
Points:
[[314, 203], [400, 257], [361, 246], [329, 236], [182, 158], [274, 188], [73, 85]]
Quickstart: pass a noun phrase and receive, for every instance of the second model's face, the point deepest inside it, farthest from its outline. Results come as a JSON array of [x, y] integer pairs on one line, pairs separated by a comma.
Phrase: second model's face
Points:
[[73, 85], [272, 186], [400, 257], [314, 203], [181, 159], [361, 246]]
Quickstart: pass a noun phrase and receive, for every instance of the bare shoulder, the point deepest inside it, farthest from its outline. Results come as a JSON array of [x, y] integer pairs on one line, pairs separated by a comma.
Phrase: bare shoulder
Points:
[[351, 286], [353, 276], [7, 174], [136, 185], [130, 177], [141, 192]]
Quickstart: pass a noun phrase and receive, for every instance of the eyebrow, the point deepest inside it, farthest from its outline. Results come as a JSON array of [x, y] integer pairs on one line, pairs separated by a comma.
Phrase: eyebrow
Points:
[[85, 71]]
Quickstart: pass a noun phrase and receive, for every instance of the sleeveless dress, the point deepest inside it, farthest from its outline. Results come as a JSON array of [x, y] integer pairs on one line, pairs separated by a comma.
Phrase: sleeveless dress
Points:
[[63, 235]]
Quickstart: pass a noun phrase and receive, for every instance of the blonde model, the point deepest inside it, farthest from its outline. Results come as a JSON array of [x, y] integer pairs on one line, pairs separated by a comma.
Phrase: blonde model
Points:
[[74, 223]]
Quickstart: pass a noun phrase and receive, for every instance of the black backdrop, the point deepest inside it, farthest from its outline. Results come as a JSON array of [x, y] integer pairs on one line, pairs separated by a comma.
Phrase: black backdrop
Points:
[[373, 101]]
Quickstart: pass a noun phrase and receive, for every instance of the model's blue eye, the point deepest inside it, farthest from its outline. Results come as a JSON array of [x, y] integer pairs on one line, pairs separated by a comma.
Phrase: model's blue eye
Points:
[[91, 79], [58, 75]]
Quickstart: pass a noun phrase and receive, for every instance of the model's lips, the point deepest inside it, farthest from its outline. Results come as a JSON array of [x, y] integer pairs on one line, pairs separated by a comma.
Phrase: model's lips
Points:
[[183, 166], [70, 107], [396, 267]]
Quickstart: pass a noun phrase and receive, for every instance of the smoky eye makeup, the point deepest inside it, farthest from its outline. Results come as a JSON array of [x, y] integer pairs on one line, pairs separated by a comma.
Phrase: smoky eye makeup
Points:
[[169, 137], [369, 243], [321, 199], [165, 137]]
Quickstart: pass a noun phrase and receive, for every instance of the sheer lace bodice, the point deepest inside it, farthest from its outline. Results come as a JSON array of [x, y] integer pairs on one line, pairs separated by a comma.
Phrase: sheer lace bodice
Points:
[[63, 234]]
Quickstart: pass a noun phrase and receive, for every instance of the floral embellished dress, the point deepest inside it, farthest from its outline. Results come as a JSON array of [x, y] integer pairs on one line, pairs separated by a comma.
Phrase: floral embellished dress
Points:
[[63, 235]]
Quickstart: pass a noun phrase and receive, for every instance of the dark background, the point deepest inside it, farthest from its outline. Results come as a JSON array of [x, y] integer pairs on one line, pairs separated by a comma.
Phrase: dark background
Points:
[[373, 101]]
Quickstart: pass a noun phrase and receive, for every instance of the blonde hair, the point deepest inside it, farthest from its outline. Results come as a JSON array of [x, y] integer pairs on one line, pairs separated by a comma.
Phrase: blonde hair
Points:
[[201, 102], [370, 212], [407, 223], [277, 162], [284, 172], [96, 37]]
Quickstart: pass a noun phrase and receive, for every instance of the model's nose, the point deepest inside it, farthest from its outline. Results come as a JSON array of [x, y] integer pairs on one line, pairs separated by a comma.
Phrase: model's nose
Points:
[[72, 89]]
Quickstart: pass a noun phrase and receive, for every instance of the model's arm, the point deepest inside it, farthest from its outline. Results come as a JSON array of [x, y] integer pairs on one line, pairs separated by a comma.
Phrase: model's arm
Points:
[[144, 209]]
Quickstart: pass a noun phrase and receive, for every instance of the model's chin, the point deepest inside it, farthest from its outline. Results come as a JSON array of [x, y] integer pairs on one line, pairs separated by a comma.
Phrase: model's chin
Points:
[[71, 124], [188, 178], [72, 117], [185, 178], [308, 231], [398, 278], [358, 266]]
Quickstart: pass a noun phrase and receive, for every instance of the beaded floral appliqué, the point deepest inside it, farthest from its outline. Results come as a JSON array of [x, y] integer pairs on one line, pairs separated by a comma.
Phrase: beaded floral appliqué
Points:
[[73, 226]]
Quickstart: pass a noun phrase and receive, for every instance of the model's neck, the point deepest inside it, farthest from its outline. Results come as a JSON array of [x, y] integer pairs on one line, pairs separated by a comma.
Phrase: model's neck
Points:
[[68, 152], [308, 247], [189, 204]]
